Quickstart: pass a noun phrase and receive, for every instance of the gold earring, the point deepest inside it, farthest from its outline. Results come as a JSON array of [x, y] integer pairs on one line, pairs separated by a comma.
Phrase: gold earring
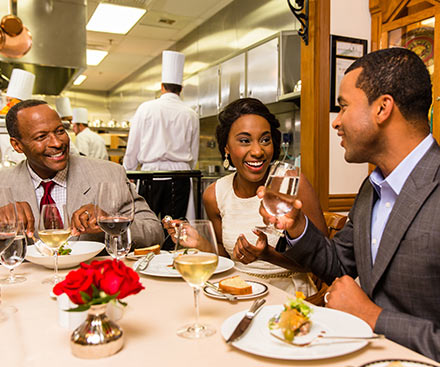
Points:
[[226, 161]]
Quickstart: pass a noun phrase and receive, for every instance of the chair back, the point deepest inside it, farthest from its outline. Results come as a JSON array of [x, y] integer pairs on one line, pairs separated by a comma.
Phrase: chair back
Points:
[[334, 222]]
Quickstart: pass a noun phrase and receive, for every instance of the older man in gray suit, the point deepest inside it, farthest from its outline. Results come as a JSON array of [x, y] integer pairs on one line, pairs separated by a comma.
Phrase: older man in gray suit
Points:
[[392, 238], [36, 130]]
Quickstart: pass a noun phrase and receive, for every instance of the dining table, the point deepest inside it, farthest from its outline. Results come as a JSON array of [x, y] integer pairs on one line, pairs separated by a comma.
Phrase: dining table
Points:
[[32, 336]]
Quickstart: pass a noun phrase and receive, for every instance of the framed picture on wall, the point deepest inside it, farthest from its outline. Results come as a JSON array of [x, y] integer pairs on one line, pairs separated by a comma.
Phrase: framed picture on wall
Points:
[[344, 51]]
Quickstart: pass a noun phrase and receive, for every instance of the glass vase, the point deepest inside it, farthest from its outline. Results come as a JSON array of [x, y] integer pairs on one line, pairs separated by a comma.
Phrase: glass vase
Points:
[[97, 336]]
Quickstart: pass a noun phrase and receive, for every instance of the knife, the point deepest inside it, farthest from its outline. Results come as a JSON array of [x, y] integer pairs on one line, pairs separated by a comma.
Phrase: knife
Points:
[[246, 320]]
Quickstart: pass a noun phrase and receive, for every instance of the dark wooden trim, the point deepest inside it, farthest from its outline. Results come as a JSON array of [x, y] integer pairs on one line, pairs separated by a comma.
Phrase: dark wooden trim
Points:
[[340, 202], [315, 100]]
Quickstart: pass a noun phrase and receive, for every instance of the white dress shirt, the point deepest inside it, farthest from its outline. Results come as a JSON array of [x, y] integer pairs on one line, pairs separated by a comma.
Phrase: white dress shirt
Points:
[[164, 135], [59, 190], [388, 189], [91, 144]]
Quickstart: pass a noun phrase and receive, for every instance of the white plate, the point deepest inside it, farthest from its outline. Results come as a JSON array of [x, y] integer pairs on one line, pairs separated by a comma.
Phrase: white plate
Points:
[[403, 363], [258, 289], [158, 266], [81, 251], [257, 339]]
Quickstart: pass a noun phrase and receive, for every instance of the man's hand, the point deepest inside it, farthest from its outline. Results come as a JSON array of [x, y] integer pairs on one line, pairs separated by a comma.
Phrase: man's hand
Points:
[[346, 295], [245, 252], [84, 220], [26, 217], [293, 222]]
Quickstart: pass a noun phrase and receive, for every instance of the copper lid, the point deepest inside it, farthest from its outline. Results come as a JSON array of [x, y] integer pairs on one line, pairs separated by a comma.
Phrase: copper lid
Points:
[[11, 25]]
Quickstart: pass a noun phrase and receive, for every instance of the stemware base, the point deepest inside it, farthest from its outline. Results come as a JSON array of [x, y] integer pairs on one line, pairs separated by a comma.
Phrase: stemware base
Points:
[[270, 230], [13, 280], [54, 279], [196, 331]]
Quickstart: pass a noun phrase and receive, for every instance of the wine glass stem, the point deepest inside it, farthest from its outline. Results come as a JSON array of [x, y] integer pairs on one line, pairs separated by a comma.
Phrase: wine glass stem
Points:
[[114, 246], [56, 264], [196, 305], [11, 277]]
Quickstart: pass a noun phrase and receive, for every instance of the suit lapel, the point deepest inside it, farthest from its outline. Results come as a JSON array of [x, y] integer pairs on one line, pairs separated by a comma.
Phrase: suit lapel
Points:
[[415, 191], [24, 189], [78, 186]]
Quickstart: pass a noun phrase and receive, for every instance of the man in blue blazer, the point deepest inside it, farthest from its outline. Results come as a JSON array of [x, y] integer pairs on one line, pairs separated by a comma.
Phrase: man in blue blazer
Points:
[[392, 238]]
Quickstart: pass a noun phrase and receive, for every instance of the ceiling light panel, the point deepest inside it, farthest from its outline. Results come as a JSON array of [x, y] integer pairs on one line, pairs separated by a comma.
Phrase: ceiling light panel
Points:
[[80, 79], [112, 18], [94, 57]]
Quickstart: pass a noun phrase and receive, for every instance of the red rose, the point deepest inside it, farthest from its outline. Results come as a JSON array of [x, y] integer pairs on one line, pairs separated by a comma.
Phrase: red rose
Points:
[[76, 281], [120, 278], [98, 268]]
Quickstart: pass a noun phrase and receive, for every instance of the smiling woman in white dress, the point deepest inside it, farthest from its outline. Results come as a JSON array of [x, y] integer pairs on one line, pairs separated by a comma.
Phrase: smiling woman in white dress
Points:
[[249, 139]]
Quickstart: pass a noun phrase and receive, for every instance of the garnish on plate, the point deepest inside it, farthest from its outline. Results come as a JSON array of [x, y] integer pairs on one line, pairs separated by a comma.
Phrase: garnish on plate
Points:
[[294, 319], [64, 250]]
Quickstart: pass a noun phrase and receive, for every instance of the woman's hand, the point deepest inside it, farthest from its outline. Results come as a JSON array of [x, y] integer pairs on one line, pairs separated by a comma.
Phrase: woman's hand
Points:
[[245, 252]]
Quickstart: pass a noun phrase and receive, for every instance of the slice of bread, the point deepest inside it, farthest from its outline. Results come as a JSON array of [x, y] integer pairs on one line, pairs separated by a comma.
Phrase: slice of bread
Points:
[[235, 285], [146, 250]]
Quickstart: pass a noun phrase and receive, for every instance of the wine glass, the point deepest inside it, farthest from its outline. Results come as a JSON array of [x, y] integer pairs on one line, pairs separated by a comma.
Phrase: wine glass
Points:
[[115, 213], [54, 230], [197, 268], [281, 189], [123, 245], [8, 231], [13, 256]]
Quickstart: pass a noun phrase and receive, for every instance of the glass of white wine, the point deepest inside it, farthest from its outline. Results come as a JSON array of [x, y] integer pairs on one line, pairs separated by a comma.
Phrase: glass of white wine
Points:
[[281, 189], [197, 268], [54, 230]]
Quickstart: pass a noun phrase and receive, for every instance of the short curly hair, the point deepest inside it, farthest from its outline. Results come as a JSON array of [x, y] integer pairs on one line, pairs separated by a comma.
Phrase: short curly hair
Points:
[[12, 119], [400, 73], [246, 106]]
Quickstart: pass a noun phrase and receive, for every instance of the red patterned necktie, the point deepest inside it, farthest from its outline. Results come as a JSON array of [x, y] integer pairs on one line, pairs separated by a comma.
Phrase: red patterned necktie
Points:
[[47, 199]]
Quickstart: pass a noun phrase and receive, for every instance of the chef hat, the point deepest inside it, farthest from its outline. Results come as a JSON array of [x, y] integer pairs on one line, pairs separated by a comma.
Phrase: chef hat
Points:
[[20, 84], [172, 67], [63, 106], [80, 116]]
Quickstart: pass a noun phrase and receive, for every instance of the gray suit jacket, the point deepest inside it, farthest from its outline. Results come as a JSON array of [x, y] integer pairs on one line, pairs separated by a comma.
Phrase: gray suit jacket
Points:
[[83, 177], [405, 278]]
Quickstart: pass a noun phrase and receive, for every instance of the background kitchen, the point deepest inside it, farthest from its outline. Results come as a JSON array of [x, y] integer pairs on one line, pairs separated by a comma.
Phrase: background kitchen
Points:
[[233, 49]]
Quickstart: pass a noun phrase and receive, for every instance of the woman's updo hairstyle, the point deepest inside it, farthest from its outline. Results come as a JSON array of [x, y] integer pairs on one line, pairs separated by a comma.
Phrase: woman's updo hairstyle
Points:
[[246, 106]]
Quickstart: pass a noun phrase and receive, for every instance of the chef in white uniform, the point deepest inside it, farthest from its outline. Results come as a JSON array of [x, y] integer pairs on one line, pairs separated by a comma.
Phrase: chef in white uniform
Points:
[[20, 87], [164, 136], [88, 142], [64, 110]]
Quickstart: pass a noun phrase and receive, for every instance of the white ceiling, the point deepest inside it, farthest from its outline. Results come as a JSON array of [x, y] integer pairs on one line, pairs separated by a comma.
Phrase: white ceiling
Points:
[[146, 40]]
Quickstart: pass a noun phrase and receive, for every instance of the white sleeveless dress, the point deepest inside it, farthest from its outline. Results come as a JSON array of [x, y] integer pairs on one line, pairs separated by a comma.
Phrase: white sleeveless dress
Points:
[[240, 216]]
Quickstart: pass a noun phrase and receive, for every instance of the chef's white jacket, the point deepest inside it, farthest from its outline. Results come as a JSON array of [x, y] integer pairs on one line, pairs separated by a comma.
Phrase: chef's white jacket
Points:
[[91, 144], [164, 136]]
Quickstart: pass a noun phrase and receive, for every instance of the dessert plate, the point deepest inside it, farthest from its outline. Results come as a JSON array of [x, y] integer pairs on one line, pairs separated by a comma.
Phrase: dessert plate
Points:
[[258, 290]]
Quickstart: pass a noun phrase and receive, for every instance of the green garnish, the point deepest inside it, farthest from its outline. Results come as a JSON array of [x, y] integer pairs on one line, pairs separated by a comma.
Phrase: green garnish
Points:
[[299, 305], [64, 250]]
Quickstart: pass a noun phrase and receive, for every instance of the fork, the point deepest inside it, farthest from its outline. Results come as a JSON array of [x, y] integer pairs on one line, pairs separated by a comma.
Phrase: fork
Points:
[[229, 297], [143, 262], [322, 335]]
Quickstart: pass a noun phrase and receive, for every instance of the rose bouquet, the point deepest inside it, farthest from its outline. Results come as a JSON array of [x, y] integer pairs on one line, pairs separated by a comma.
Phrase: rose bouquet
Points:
[[98, 283]]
